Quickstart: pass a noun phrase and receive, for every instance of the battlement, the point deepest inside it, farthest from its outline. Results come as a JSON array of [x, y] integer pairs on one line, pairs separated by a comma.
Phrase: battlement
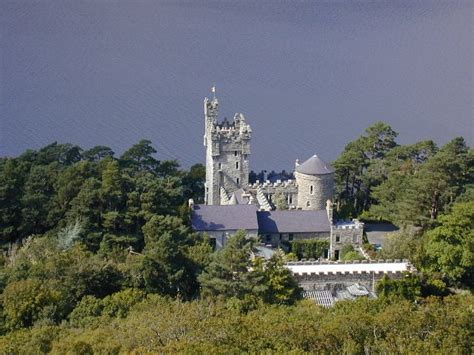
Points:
[[354, 224], [278, 183], [308, 268]]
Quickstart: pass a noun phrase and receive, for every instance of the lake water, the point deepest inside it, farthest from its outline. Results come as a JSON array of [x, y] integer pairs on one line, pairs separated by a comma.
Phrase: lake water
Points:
[[309, 76]]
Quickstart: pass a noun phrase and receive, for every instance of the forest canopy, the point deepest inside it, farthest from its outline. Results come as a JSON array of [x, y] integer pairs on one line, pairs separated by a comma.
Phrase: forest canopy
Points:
[[97, 255]]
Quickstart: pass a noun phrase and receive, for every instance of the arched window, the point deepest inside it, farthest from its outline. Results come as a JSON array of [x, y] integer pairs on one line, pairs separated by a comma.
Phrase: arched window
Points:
[[308, 204], [311, 189], [237, 165]]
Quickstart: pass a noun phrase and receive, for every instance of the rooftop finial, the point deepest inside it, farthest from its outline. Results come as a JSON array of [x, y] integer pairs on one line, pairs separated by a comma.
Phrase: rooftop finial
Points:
[[213, 90]]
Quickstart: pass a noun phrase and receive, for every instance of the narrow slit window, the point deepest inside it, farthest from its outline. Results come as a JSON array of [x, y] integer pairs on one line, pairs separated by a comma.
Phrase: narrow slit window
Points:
[[238, 181], [308, 204], [311, 189], [237, 165]]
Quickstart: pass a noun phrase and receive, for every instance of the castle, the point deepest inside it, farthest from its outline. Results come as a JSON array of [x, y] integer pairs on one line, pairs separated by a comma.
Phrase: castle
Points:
[[278, 212], [227, 170]]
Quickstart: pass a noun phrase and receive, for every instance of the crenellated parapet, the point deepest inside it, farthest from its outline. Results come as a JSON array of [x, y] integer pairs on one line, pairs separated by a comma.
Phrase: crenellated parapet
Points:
[[323, 275], [326, 267], [343, 225], [227, 153]]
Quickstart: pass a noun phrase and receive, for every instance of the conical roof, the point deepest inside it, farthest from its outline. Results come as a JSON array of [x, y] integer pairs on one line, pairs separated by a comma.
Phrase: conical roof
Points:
[[315, 166]]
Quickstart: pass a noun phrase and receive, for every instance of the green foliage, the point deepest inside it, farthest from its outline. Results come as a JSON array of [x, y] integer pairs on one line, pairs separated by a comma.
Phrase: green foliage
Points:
[[408, 287], [246, 282], [92, 244], [26, 302], [280, 287], [416, 192], [407, 185], [358, 168], [160, 325], [309, 248], [280, 201], [348, 253], [450, 246], [228, 273]]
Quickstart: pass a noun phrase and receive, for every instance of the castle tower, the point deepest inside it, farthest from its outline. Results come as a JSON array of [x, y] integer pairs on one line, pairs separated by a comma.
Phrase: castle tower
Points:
[[315, 181], [227, 153]]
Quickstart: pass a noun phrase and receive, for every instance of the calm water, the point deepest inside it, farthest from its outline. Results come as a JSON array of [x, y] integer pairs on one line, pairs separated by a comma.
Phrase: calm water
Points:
[[308, 76]]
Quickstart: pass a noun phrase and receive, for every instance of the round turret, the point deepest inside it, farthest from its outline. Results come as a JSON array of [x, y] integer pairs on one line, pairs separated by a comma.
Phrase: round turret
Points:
[[315, 181]]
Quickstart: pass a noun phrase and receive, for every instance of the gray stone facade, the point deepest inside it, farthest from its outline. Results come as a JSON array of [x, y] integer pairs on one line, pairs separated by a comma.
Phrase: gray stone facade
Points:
[[314, 190], [227, 183], [345, 233], [366, 273], [227, 153], [227, 169]]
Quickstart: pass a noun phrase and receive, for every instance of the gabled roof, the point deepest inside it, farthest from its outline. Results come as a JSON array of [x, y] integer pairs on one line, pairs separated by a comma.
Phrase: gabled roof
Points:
[[220, 217], [271, 222], [315, 166]]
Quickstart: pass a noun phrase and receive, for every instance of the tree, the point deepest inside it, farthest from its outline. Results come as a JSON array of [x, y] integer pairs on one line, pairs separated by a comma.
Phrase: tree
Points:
[[28, 301], [418, 192], [450, 246], [111, 189], [193, 182], [140, 157], [37, 200], [279, 285], [408, 287], [309, 248], [166, 241], [97, 153], [10, 205], [228, 275], [281, 201]]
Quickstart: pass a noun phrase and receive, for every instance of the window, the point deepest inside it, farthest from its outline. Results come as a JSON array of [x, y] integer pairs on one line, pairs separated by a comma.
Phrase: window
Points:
[[238, 181], [220, 166], [336, 254], [290, 237], [235, 153], [290, 199], [338, 238], [311, 189], [308, 204], [237, 165], [213, 243]]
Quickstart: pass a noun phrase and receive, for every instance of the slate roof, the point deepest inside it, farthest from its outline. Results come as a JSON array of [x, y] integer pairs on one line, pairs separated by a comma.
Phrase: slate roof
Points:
[[271, 222], [315, 166], [323, 297], [228, 217]]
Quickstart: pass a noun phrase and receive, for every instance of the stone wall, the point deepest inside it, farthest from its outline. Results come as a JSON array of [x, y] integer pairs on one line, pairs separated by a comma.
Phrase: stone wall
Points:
[[221, 237], [331, 280], [275, 240], [345, 233], [314, 190], [286, 188], [227, 153]]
